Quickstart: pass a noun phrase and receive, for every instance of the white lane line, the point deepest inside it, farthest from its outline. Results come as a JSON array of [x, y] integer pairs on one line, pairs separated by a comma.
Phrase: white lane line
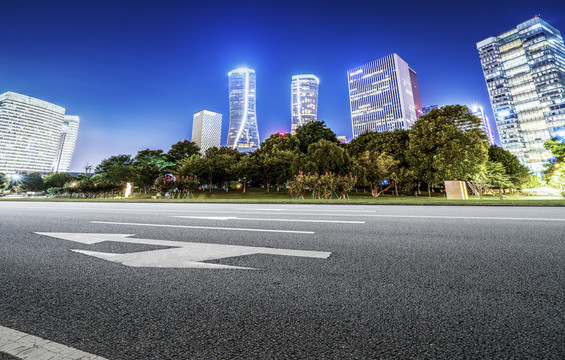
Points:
[[292, 211], [25, 346], [204, 227], [466, 217], [262, 219]]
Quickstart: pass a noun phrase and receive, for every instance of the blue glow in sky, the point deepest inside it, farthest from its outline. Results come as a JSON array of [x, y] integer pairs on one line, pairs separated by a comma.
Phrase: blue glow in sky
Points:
[[136, 71]]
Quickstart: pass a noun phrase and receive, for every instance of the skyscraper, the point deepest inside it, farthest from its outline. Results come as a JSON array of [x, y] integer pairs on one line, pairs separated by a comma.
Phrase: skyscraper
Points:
[[67, 143], [524, 70], [383, 95], [243, 134], [206, 129], [35, 136], [304, 100], [478, 112]]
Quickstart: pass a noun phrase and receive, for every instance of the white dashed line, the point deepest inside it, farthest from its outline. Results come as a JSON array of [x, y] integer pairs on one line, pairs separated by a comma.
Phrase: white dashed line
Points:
[[263, 219], [204, 227]]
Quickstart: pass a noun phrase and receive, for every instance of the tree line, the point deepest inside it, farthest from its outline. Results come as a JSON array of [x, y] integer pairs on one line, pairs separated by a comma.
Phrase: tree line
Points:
[[445, 144]]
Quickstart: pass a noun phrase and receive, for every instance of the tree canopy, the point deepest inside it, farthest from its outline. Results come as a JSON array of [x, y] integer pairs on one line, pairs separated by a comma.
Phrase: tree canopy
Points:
[[448, 144], [313, 132]]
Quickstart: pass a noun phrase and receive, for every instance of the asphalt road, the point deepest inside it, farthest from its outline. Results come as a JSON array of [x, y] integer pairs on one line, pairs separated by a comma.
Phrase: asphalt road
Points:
[[401, 281]]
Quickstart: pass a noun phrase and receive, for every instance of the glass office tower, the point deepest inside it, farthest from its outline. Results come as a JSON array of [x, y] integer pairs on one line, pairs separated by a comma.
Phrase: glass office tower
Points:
[[206, 130], [35, 136], [524, 70], [304, 100], [383, 96], [243, 134]]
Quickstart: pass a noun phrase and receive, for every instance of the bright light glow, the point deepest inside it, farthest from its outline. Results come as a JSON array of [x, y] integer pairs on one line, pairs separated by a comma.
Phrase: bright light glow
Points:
[[241, 70], [16, 177], [357, 72], [282, 133], [504, 113]]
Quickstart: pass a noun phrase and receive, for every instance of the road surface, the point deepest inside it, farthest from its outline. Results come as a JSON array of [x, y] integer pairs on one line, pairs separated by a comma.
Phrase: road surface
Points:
[[205, 281]]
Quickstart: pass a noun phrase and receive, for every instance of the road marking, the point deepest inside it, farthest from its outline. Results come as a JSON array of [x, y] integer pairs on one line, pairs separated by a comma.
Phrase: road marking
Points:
[[262, 219], [466, 217], [26, 346], [180, 255], [204, 227]]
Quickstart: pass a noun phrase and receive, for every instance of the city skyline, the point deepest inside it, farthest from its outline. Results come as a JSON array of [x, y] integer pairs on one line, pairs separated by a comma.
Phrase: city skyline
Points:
[[137, 86]]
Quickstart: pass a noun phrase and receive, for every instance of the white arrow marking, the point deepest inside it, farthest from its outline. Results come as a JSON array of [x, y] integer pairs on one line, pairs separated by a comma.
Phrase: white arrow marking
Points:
[[262, 219], [181, 255], [204, 227]]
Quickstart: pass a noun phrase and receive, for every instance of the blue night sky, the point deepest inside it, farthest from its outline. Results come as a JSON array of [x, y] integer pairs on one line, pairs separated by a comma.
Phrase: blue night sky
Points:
[[136, 71]]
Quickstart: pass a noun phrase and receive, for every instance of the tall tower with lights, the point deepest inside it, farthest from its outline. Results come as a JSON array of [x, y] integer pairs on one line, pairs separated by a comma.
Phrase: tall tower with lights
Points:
[[524, 69], [243, 134], [383, 95], [304, 100]]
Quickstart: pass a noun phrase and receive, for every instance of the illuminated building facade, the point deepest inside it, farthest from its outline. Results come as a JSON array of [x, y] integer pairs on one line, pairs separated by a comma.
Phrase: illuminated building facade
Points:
[[304, 100], [206, 130], [524, 69], [382, 95], [478, 112], [67, 142], [243, 134], [35, 136]]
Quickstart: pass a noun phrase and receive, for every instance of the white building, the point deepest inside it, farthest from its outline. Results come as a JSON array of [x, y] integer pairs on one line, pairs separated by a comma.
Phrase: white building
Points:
[[383, 95], [31, 137], [206, 129], [243, 134], [304, 100], [67, 144]]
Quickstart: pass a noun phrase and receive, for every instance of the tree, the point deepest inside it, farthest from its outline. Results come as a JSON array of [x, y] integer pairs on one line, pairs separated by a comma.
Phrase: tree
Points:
[[218, 164], [496, 177], [57, 180], [276, 156], [394, 143], [313, 132], [376, 168], [144, 174], [247, 168], [3, 181], [33, 182], [280, 142], [554, 170], [156, 157], [116, 168], [518, 174], [448, 144], [182, 150], [329, 157]]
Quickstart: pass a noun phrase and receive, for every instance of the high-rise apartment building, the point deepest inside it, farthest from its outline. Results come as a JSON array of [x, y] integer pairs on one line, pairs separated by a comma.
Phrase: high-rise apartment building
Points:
[[478, 112], [304, 100], [524, 70], [206, 130], [67, 142], [383, 95], [35, 136], [243, 134]]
